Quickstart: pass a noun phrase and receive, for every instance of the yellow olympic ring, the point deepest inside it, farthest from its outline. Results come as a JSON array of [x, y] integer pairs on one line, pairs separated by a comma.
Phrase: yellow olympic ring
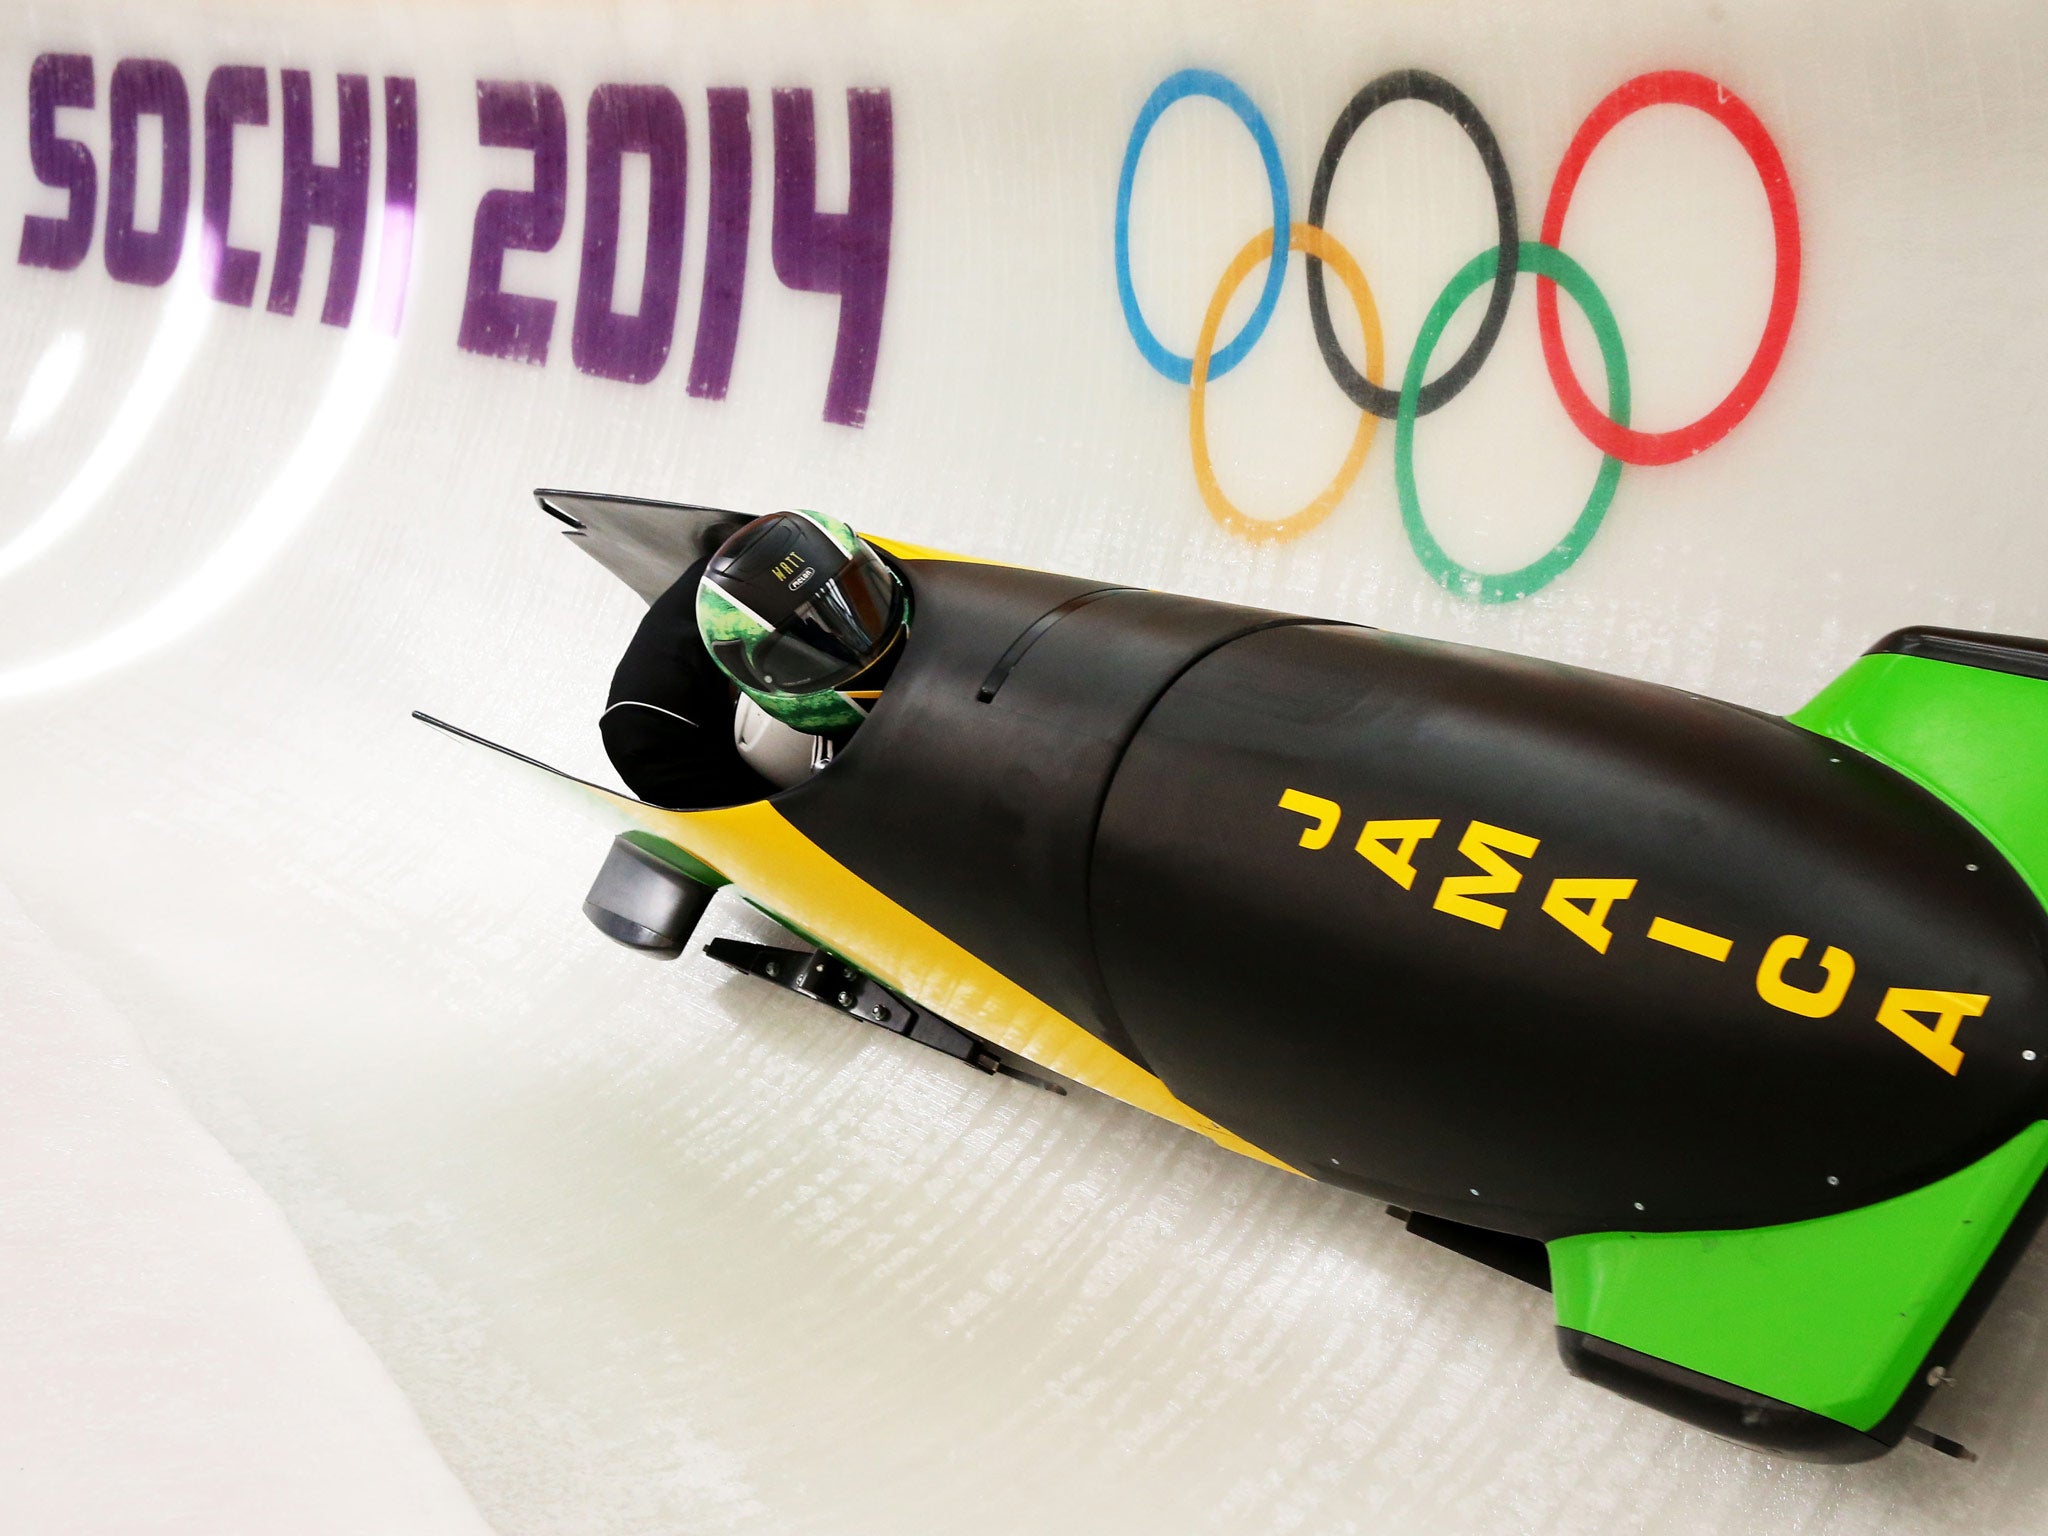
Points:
[[1318, 243]]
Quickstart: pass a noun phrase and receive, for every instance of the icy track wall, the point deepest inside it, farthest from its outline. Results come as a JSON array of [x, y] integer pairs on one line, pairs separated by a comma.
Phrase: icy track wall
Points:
[[350, 1181]]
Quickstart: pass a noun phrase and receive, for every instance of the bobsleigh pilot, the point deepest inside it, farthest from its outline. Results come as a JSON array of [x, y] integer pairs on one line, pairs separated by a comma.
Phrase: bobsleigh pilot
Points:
[[756, 665]]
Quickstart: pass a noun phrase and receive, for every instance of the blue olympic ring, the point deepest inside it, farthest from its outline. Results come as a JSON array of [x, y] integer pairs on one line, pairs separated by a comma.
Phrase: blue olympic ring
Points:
[[1201, 82]]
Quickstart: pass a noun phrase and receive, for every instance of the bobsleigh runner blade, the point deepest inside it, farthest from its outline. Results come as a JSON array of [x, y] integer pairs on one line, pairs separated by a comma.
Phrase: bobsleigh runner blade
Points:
[[1941, 1443], [829, 980]]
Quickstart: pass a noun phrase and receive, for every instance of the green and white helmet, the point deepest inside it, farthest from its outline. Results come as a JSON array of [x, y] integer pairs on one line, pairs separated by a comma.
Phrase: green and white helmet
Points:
[[799, 612]]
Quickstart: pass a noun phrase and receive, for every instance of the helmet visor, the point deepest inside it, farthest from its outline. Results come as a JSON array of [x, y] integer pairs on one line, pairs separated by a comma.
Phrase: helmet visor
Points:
[[835, 633]]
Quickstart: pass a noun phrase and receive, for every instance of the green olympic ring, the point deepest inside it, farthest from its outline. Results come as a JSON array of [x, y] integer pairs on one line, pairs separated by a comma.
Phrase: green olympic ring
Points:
[[1508, 586]]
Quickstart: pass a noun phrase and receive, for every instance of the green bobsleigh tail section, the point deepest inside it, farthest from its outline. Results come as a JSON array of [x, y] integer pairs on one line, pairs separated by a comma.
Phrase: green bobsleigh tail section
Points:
[[1953, 714], [1823, 1338]]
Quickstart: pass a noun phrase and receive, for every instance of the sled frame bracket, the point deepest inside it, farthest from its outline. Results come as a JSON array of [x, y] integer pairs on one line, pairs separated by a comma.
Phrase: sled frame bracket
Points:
[[827, 979]]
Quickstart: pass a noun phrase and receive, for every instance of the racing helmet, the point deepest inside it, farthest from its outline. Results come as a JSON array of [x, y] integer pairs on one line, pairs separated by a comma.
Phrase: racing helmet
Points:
[[799, 611]]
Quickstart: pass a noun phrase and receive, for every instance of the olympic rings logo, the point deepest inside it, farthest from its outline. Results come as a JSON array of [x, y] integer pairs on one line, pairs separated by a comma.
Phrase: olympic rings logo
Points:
[[1496, 269]]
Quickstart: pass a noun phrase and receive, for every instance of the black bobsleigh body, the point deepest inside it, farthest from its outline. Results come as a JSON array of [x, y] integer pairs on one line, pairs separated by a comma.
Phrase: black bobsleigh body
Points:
[[1729, 1027]]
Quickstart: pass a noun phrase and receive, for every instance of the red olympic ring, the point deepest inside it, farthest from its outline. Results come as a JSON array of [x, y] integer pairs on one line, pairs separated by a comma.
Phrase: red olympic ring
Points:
[[1676, 87]]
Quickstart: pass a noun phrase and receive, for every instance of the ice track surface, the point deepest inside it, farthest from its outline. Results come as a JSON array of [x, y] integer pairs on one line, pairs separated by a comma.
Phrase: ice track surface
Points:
[[350, 1182]]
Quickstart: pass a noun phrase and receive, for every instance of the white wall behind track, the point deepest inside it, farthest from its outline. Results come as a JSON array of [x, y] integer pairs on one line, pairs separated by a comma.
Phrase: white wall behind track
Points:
[[647, 1249]]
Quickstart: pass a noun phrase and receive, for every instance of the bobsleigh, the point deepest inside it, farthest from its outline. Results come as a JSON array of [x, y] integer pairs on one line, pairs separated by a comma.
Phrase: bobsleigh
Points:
[[1730, 1030]]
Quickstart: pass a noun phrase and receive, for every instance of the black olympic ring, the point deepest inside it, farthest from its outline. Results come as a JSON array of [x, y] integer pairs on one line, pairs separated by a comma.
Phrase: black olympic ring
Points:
[[1415, 85]]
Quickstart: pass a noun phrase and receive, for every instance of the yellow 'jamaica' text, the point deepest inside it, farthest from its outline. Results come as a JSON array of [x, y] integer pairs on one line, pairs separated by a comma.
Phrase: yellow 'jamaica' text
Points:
[[1583, 906]]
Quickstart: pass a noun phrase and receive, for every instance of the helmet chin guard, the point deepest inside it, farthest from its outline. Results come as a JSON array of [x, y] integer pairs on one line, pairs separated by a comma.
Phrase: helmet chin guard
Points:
[[795, 608]]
